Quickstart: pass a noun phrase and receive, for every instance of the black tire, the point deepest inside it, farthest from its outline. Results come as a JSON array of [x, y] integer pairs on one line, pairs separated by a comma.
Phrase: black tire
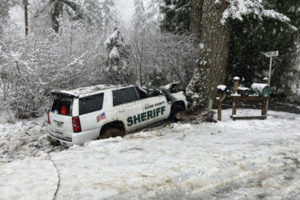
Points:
[[176, 108], [111, 132]]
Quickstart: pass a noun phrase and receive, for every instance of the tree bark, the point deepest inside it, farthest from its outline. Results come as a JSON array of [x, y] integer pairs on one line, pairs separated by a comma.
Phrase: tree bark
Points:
[[196, 17], [213, 55]]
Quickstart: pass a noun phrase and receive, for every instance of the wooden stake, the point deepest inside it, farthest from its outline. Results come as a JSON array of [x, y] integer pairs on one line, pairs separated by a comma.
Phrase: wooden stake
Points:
[[220, 107], [220, 101], [26, 16], [264, 107], [235, 91]]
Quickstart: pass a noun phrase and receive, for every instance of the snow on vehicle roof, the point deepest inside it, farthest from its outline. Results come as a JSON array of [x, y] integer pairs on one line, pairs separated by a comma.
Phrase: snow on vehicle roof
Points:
[[84, 91]]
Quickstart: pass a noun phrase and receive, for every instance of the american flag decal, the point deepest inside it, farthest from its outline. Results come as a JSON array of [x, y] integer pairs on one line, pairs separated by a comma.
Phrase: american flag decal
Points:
[[100, 117]]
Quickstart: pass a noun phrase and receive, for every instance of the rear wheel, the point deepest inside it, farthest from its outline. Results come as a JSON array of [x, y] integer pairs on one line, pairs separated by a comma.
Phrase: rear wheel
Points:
[[176, 108], [111, 132]]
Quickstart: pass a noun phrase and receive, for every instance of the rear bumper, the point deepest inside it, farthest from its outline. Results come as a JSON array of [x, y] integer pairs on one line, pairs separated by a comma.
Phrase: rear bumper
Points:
[[76, 138], [66, 140]]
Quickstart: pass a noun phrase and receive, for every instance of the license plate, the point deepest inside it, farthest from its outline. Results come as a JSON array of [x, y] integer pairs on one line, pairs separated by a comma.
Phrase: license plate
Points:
[[59, 124]]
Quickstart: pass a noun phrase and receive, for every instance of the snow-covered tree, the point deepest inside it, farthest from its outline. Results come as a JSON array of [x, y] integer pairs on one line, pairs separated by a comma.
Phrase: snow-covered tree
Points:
[[159, 57], [212, 36], [118, 52], [153, 11], [176, 15], [102, 13], [140, 28], [32, 67], [261, 33]]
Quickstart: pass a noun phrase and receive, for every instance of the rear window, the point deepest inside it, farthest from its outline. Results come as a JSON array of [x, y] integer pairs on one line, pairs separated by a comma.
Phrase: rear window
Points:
[[90, 104], [62, 104]]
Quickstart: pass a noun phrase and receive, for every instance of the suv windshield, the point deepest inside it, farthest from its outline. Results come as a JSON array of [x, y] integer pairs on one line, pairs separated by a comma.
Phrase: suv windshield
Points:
[[62, 104]]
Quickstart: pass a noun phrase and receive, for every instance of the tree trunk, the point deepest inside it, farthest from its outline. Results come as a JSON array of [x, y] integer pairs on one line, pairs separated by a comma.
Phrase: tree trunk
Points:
[[213, 55], [196, 17]]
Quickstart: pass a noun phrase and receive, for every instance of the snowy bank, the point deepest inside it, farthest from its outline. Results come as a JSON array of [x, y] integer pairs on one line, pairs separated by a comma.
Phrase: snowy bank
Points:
[[227, 160]]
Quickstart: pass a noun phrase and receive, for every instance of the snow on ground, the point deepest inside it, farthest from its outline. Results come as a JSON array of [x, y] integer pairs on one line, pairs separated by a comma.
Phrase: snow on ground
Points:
[[23, 138], [257, 159]]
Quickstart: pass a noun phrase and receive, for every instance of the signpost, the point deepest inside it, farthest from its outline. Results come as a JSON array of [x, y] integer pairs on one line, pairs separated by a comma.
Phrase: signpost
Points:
[[270, 55]]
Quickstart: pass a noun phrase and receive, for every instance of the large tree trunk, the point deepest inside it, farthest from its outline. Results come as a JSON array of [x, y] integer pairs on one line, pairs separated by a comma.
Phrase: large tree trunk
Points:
[[214, 53], [196, 17]]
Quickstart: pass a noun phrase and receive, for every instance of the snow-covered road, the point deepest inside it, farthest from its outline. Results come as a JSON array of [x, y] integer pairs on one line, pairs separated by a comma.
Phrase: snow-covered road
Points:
[[257, 159]]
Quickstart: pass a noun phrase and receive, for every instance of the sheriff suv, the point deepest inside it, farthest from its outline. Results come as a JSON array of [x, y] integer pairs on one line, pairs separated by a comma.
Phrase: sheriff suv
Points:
[[103, 111]]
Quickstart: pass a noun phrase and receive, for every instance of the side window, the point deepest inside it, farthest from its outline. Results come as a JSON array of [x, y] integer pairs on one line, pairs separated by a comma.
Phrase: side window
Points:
[[143, 94], [125, 95], [90, 104]]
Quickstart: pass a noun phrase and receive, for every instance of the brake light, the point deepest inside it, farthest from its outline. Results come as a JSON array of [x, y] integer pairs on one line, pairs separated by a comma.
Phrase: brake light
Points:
[[76, 124], [49, 122]]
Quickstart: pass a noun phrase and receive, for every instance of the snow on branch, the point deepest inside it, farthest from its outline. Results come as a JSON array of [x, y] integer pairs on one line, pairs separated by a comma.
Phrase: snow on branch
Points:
[[238, 8]]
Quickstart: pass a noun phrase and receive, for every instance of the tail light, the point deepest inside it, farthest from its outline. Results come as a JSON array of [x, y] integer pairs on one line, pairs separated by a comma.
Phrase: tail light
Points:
[[76, 124], [49, 122]]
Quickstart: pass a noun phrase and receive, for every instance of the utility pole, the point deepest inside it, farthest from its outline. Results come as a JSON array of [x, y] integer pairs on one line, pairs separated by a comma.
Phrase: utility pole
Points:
[[25, 3]]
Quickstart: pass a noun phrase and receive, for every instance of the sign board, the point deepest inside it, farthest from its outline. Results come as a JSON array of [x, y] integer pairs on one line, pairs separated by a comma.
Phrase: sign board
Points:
[[271, 54]]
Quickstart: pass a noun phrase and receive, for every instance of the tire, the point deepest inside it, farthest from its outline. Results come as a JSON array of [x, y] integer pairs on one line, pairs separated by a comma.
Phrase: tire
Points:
[[176, 108], [111, 132]]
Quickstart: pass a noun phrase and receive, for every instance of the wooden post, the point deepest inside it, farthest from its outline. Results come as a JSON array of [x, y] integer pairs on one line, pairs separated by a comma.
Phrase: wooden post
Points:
[[236, 84], [220, 101], [264, 107], [235, 92], [220, 107], [25, 2]]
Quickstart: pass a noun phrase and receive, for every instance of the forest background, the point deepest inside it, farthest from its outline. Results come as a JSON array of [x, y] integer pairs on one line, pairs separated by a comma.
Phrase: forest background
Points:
[[201, 43]]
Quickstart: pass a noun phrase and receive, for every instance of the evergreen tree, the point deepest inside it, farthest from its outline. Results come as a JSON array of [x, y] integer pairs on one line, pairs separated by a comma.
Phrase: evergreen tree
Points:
[[58, 7], [250, 34], [102, 13], [4, 13], [118, 53], [140, 29], [177, 16]]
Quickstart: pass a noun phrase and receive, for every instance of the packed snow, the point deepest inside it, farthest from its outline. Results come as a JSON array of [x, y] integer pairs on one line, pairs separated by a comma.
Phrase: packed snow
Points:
[[253, 159]]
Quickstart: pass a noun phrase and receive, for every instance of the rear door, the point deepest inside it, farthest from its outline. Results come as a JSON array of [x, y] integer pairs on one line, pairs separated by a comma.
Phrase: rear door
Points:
[[61, 115], [127, 108], [89, 110]]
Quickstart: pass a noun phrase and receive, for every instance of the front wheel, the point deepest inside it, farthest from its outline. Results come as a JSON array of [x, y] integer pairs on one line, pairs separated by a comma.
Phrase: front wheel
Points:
[[176, 108]]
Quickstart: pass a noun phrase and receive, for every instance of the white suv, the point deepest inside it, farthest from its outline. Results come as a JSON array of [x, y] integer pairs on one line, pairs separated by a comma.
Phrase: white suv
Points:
[[101, 111]]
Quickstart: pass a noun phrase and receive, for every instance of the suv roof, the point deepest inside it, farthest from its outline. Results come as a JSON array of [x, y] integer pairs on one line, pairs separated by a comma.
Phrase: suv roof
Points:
[[85, 91]]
